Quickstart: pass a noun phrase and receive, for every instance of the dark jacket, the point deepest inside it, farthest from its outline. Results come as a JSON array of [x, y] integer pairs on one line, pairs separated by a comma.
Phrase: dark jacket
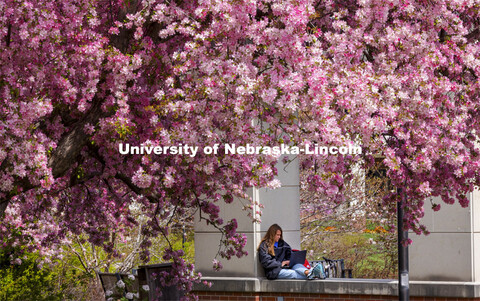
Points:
[[273, 264]]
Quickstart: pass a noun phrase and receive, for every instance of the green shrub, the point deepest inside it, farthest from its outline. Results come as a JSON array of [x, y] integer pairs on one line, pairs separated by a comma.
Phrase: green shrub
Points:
[[26, 280]]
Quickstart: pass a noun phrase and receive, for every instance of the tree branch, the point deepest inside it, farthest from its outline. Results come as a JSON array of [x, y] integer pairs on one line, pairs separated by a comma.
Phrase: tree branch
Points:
[[72, 142], [9, 33]]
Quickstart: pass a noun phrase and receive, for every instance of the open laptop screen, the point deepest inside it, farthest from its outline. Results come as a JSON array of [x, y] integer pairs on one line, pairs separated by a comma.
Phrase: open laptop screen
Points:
[[298, 257]]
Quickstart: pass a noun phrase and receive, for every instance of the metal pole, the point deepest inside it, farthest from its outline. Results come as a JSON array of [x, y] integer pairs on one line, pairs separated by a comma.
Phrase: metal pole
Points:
[[184, 236], [403, 286]]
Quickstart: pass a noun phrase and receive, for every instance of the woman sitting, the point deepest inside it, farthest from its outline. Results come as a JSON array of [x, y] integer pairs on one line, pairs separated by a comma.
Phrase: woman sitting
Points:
[[274, 253]]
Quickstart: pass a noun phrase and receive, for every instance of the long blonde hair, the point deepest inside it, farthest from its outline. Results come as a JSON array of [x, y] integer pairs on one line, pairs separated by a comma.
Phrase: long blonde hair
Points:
[[269, 238]]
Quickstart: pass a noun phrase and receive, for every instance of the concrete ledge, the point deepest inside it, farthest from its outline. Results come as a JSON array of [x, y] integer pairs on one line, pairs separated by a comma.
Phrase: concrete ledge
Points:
[[445, 289], [341, 286]]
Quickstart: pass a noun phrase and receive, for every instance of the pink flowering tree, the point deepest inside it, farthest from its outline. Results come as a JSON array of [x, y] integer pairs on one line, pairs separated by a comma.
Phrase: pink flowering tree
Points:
[[79, 78]]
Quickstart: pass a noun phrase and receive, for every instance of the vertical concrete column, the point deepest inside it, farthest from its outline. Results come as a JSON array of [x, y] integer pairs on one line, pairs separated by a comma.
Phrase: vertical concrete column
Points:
[[281, 206], [451, 252]]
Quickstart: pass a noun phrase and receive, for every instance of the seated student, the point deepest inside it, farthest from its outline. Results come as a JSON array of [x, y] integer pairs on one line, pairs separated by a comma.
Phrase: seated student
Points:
[[274, 253]]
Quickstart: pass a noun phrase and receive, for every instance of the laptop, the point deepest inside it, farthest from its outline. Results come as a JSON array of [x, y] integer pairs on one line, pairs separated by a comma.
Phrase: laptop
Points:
[[297, 257]]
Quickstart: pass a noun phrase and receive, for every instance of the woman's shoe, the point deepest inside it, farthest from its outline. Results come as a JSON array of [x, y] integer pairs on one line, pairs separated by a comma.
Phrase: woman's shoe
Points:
[[317, 272]]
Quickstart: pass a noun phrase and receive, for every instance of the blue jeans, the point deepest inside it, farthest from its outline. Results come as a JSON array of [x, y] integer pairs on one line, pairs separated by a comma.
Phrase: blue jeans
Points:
[[296, 272]]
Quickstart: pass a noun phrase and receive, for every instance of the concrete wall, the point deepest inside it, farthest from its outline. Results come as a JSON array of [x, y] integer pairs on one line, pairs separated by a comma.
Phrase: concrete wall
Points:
[[331, 289], [281, 206], [451, 252]]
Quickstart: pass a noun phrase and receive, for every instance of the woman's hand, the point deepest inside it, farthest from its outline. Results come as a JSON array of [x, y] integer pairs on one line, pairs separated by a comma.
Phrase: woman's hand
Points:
[[286, 262]]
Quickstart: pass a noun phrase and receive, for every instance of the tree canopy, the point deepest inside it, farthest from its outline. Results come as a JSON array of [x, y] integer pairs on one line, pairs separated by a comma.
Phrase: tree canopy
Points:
[[79, 78]]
